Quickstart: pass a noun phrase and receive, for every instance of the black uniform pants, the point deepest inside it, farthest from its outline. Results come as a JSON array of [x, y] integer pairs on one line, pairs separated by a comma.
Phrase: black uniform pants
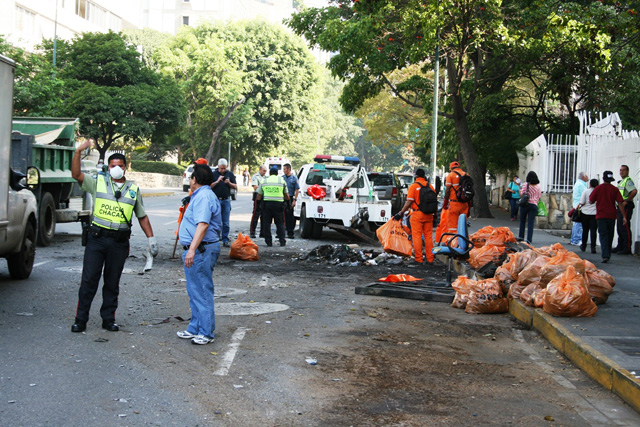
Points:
[[107, 252], [624, 231], [257, 214], [289, 220], [273, 211]]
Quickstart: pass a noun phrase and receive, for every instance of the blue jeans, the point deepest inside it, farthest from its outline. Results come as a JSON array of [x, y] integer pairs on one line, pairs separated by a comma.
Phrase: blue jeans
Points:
[[200, 290], [514, 207], [576, 233], [528, 216], [606, 228], [225, 209]]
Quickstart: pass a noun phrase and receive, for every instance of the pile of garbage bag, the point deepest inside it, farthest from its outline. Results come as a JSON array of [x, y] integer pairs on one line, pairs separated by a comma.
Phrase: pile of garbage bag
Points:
[[551, 277]]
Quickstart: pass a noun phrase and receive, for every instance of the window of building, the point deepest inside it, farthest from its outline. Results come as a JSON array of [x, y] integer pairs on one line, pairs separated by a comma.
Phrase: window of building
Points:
[[185, 20], [96, 15], [24, 20], [81, 8]]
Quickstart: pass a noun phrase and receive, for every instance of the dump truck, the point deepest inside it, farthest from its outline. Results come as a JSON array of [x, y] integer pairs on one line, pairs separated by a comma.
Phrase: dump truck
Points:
[[18, 206], [48, 144]]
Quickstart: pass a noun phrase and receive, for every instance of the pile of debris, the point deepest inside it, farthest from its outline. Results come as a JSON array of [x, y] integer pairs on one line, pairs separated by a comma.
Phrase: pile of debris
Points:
[[348, 256]]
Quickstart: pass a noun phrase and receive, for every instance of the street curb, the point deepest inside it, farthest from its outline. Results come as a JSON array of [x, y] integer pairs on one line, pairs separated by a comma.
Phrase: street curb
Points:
[[596, 365], [168, 193]]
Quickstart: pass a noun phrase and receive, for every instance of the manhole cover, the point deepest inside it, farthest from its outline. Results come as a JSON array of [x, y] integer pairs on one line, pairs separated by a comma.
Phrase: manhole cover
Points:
[[629, 346], [248, 308]]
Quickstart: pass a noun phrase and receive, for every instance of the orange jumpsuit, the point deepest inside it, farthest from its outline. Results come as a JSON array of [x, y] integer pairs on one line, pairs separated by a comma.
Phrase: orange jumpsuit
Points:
[[421, 223], [455, 207]]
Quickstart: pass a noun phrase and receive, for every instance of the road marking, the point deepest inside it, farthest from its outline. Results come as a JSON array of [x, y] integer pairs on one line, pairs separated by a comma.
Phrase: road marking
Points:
[[227, 358], [171, 222], [40, 263], [248, 308]]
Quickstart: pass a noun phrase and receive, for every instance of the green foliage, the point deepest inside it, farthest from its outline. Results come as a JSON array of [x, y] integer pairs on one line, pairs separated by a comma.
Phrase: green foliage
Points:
[[157, 167], [147, 41]]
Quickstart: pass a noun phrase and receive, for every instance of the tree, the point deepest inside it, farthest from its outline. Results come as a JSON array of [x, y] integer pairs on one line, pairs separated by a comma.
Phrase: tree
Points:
[[113, 93], [247, 84]]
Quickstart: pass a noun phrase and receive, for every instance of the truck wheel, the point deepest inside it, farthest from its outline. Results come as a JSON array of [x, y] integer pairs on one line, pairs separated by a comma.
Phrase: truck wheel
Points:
[[46, 220], [316, 231], [21, 264], [306, 225]]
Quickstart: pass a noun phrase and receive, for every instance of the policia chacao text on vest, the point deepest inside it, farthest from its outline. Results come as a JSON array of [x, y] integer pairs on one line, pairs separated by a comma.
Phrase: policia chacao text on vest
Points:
[[115, 202]]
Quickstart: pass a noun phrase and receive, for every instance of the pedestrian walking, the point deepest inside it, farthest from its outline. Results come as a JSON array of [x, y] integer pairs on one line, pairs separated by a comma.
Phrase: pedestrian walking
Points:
[[528, 212], [256, 215], [421, 222], [605, 196], [514, 189], [628, 191], [451, 203], [200, 233], [273, 192], [116, 200], [588, 217], [578, 188], [245, 177], [223, 181], [293, 188]]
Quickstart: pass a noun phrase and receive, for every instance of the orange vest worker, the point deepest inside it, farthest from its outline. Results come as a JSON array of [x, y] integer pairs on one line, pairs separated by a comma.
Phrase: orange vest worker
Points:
[[455, 208]]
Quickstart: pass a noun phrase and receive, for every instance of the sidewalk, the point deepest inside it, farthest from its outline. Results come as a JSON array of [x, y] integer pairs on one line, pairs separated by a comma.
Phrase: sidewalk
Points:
[[606, 346]]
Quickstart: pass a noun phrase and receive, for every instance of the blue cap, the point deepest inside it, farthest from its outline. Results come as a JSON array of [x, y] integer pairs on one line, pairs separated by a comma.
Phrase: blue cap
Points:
[[274, 169]]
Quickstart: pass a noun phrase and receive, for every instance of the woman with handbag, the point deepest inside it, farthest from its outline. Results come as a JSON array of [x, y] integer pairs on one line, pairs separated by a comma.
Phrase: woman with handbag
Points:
[[514, 190], [588, 217], [529, 196]]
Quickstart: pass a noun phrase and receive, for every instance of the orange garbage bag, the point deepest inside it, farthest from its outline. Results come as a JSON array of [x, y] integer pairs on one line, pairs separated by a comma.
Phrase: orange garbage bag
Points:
[[538, 297], [532, 272], [479, 238], [606, 276], [558, 264], [552, 250], [524, 259], [316, 192], [588, 265], [504, 278], [244, 249], [486, 297], [515, 290], [567, 296], [442, 226], [462, 285], [500, 236], [528, 294], [488, 253], [394, 239], [399, 278], [598, 286]]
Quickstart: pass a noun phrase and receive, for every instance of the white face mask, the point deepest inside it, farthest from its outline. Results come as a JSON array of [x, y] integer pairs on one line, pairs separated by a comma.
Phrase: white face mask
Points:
[[116, 172]]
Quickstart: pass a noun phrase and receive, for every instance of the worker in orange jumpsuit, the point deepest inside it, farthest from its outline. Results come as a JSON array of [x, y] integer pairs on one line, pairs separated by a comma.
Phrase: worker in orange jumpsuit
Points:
[[455, 208], [421, 223]]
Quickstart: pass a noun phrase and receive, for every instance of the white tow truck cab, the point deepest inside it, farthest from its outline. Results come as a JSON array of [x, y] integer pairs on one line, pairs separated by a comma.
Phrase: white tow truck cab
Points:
[[349, 204], [18, 205]]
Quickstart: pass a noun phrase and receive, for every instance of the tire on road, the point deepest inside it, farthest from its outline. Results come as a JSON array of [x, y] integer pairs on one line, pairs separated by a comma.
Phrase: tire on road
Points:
[[316, 231], [306, 224], [21, 264], [46, 220]]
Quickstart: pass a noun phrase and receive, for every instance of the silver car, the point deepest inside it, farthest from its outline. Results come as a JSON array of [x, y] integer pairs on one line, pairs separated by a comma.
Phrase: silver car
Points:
[[388, 187]]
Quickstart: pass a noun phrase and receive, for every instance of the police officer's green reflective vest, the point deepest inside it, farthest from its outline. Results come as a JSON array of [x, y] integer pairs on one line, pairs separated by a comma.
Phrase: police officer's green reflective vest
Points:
[[273, 189], [107, 210], [622, 185]]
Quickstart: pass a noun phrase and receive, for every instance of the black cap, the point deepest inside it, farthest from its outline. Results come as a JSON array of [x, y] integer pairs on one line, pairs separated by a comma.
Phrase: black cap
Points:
[[607, 176]]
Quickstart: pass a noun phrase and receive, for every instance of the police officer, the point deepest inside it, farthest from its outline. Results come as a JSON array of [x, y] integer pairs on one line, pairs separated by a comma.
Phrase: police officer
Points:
[[273, 192], [293, 187], [115, 202], [256, 180], [628, 191]]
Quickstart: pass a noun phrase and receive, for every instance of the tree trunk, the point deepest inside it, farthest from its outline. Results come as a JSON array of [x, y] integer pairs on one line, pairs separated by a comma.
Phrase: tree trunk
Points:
[[216, 133], [480, 201]]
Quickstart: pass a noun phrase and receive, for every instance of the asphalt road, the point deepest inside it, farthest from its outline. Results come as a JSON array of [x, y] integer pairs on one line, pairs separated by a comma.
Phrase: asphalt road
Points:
[[378, 361]]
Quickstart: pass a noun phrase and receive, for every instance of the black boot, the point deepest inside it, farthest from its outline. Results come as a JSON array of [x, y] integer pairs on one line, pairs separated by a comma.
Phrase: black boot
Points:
[[593, 249], [583, 247]]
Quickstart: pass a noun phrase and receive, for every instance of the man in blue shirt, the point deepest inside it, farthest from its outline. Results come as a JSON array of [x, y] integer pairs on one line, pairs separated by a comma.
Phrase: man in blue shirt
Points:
[[293, 187], [199, 234], [223, 181], [578, 189]]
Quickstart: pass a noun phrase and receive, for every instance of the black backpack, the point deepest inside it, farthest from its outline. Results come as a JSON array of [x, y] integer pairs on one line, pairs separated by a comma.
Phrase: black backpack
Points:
[[428, 199], [465, 191]]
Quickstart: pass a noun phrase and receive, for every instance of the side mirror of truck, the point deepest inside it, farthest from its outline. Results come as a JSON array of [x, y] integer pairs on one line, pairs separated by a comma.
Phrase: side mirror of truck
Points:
[[33, 177]]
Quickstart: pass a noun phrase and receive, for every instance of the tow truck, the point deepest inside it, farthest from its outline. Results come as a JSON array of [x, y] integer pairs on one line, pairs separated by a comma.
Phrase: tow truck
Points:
[[349, 205]]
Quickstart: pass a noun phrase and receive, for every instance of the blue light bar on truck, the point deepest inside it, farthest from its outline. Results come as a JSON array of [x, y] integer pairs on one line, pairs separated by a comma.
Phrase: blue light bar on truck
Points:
[[321, 158]]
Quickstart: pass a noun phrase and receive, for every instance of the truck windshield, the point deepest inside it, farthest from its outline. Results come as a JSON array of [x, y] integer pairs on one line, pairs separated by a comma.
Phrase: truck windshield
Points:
[[337, 174]]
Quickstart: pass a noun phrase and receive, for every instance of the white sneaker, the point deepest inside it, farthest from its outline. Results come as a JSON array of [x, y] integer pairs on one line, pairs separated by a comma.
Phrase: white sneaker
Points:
[[185, 334], [201, 340]]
